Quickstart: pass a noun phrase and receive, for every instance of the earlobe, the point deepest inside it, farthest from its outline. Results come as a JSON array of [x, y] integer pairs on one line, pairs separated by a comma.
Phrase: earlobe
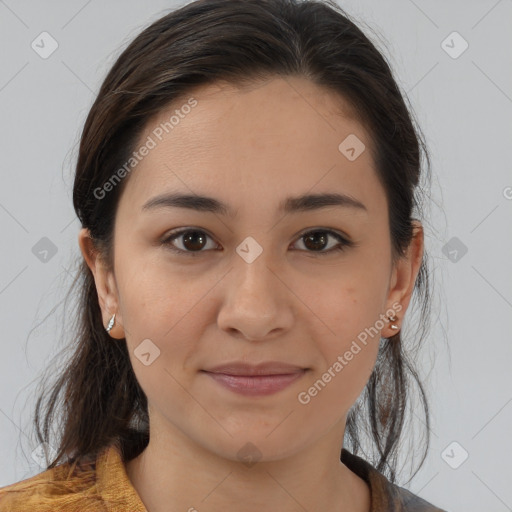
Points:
[[105, 285]]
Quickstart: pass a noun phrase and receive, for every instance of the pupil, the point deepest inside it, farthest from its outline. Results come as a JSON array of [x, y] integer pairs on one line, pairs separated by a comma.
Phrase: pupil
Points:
[[190, 240], [314, 238]]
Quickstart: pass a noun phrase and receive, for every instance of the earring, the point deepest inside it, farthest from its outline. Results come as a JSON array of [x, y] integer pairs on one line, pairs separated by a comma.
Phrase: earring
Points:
[[111, 323], [393, 319]]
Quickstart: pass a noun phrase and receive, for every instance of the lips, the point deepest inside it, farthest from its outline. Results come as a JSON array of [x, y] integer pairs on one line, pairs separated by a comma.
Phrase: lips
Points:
[[266, 368], [255, 381]]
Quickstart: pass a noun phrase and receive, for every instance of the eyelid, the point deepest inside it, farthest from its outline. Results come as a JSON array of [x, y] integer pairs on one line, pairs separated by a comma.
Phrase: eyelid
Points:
[[331, 231]]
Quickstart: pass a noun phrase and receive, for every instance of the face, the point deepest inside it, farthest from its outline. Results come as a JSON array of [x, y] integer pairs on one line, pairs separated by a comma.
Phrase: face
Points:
[[253, 282]]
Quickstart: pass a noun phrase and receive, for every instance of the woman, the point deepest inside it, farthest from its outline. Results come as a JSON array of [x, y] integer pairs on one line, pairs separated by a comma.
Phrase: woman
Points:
[[246, 184]]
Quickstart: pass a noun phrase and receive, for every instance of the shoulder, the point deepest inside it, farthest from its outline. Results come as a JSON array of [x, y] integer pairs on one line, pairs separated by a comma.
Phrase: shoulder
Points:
[[413, 503], [385, 495], [66, 487], [97, 483]]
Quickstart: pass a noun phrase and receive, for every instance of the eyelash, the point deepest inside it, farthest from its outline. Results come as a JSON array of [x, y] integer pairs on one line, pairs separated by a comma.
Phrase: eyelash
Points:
[[343, 242]]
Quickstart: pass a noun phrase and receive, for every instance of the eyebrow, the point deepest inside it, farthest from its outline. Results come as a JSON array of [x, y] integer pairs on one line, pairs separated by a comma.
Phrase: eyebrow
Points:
[[303, 203]]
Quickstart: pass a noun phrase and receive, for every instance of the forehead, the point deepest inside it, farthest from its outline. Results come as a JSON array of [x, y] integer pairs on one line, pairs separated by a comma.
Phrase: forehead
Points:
[[280, 134]]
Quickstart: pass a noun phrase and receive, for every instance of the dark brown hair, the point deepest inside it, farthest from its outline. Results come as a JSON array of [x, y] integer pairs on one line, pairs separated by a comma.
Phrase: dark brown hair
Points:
[[239, 41]]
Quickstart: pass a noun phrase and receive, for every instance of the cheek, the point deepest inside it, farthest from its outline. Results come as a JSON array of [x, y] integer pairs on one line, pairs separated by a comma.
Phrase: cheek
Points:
[[334, 389], [346, 305], [156, 297], [172, 312], [162, 332], [348, 350], [348, 335]]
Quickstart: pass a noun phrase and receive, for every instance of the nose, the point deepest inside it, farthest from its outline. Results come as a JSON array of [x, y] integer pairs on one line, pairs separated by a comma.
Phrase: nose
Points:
[[257, 301]]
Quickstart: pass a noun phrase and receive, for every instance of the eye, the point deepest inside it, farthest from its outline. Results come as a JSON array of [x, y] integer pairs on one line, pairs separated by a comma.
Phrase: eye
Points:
[[317, 240], [192, 241]]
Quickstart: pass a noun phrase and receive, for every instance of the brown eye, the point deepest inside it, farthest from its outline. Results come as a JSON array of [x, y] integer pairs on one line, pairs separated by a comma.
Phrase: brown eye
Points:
[[317, 240], [194, 240], [191, 240]]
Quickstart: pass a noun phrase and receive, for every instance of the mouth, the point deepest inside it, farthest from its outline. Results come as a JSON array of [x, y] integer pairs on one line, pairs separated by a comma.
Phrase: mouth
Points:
[[270, 368], [255, 384]]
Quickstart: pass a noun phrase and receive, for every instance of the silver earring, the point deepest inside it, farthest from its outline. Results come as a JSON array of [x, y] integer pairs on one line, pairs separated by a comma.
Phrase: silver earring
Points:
[[111, 323], [393, 319]]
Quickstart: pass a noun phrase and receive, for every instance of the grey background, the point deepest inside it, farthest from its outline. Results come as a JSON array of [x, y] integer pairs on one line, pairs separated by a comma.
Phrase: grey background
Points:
[[464, 106]]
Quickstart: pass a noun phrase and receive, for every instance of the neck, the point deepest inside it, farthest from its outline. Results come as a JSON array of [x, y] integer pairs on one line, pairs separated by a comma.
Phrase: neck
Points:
[[174, 473]]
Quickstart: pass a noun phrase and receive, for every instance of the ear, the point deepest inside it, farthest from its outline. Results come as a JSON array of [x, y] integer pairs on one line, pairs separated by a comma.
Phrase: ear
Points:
[[404, 276], [106, 287]]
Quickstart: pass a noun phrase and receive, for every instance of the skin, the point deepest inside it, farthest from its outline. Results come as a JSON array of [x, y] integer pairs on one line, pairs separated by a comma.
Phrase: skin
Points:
[[251, 148]]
